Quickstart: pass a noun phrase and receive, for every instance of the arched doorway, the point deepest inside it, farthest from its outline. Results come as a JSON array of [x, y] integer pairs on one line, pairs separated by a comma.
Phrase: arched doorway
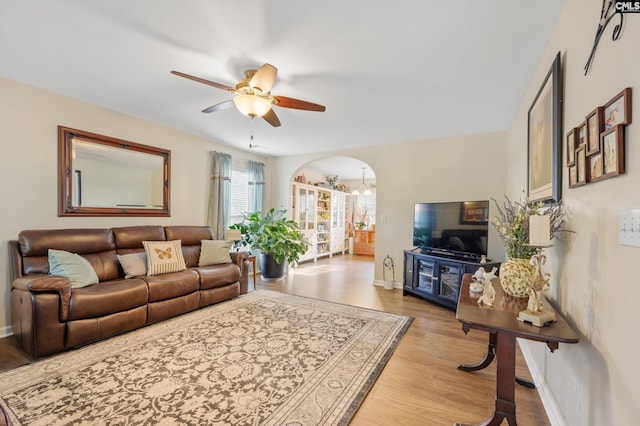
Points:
[[334, 203]]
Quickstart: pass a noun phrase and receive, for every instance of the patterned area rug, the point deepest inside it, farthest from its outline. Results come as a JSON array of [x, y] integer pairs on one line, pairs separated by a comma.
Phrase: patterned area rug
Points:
[[265, 358]]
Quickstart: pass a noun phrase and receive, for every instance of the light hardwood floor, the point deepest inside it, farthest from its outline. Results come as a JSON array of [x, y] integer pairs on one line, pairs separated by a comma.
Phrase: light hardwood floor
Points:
[[420, 384]]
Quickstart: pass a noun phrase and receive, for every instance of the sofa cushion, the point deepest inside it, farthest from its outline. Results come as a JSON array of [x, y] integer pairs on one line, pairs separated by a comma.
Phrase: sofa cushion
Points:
[[133, 264], [107, 298], [191, 236], [213, 252], [128, 239], [169, 286], [73, 267], [164, 257], [218, 275], [95, 245]]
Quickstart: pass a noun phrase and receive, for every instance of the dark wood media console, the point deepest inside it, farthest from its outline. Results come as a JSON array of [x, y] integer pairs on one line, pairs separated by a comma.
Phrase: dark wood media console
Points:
[[437, 276]]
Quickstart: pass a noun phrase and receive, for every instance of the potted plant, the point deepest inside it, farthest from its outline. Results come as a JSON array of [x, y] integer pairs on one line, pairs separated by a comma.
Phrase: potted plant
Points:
[[512, 224], [278, 238]]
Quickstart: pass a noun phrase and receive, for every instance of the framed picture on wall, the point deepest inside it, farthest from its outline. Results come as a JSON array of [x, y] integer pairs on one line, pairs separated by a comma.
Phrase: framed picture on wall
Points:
[[582, 134], [613, 151], [571, 147], [595, 167], [618, 110], [573, 176], [594, 128], [581, 165], [545, 138]]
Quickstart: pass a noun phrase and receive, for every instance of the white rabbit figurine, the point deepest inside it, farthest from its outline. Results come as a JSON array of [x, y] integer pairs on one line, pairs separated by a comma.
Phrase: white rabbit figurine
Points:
[[489, 293]]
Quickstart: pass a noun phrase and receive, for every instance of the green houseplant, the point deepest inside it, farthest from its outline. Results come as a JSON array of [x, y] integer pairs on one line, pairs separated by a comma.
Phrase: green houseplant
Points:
[[278, 238]]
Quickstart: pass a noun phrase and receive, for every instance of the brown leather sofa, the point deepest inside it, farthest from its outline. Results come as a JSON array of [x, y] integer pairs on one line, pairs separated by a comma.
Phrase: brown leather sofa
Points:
[[48, 315]]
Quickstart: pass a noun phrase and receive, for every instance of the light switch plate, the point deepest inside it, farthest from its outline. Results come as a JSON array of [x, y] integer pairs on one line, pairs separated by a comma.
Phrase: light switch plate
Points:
[[630, 227]]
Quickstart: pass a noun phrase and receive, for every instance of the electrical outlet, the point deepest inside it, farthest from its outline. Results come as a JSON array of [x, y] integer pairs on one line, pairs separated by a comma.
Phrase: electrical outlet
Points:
[[630, 227], [576, 391]]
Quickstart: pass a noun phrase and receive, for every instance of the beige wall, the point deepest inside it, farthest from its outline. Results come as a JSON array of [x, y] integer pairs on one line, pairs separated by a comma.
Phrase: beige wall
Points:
[[460, 168], [593, 277], [28, 166]]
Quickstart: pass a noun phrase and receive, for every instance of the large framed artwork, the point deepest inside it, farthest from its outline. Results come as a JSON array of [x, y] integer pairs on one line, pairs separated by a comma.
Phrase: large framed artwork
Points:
[[545, 138]]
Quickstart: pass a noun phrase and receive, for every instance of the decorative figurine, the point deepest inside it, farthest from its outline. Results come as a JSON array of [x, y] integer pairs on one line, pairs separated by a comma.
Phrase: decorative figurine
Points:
[[538, 284], [489, 293], [479, 274]]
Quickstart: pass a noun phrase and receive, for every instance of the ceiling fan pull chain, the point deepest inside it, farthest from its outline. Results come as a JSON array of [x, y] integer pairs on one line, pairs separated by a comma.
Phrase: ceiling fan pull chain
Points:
[[251, 133]]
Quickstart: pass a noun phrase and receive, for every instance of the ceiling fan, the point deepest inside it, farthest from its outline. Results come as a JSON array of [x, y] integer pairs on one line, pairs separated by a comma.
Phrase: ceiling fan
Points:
[[253, 95]]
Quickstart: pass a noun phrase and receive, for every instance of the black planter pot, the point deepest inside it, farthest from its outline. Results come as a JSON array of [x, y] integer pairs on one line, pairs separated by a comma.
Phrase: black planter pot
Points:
[[270, 269]]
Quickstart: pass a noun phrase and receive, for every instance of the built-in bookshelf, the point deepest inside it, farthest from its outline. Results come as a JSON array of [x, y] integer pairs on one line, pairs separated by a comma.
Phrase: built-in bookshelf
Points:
[[321, 215]]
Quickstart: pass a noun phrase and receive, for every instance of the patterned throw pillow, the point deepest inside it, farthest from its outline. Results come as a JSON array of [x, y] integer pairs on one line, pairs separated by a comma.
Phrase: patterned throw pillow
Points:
[[133, 264], [213, 252], [164, 257], [73, 267]]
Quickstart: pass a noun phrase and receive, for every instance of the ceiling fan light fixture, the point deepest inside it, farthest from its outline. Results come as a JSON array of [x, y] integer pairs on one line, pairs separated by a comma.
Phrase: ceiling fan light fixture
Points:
[[252, 105]]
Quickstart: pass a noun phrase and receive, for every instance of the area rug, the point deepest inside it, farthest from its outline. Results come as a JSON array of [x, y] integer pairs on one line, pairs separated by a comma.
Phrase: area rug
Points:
[[265, 358]]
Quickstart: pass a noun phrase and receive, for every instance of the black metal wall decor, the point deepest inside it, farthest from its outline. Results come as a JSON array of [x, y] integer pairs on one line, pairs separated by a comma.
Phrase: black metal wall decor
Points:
[[608, 12]]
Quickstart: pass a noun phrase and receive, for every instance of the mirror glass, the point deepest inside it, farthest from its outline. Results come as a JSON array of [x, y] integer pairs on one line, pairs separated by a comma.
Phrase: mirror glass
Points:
[[103, 176]]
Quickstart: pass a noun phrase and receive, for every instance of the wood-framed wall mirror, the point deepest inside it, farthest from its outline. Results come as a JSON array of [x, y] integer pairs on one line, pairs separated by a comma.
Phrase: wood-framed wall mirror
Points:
[[104, 176]]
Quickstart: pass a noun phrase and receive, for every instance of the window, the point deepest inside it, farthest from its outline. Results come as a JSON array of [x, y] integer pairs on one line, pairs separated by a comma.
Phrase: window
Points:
[[239, 195], [366, 208]]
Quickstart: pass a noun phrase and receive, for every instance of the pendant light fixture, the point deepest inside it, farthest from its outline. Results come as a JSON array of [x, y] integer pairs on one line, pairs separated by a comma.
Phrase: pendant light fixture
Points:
[[365, 189]]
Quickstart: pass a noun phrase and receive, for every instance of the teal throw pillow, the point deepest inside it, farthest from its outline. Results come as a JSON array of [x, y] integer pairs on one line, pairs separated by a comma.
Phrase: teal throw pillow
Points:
[[73, 267]]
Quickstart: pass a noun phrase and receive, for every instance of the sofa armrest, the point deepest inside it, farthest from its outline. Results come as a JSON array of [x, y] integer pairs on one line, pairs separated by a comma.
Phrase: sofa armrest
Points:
[[43, 283], [241, 258], [238, 257]]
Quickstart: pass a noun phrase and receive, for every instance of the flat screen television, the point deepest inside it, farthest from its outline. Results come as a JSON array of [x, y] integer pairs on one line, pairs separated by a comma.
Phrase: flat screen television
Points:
[[457, 229]]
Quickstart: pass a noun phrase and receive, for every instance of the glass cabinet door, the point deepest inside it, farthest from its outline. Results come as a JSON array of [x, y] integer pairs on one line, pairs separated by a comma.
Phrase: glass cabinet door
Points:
[[426, 270], [449, 281], [302, 208], [311, 209]]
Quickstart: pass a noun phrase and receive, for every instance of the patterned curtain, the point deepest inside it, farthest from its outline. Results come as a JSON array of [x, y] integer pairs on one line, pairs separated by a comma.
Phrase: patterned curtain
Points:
[[219, 194], [256, 186]]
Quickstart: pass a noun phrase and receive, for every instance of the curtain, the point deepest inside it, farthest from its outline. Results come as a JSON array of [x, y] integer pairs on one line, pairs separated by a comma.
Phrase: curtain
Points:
[[219, 194], [256, 186]]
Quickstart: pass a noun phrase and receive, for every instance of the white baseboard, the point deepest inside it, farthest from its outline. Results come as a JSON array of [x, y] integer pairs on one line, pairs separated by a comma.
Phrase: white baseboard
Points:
[[5, 331], [550, 405], [380, 283]]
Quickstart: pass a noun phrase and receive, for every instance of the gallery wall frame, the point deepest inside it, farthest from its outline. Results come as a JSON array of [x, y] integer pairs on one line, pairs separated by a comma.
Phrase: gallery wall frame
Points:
[[544, 139], [613, 151], [595, 167], [618, 109], [600, 139], [594, 128], [580, 168], [571, 147]]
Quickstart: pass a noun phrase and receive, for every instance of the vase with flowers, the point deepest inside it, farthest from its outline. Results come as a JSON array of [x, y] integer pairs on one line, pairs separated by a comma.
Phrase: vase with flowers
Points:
[[512, 224]]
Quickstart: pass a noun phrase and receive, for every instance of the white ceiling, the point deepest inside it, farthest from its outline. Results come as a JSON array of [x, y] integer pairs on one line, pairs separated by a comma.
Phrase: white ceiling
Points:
[[387, 72]]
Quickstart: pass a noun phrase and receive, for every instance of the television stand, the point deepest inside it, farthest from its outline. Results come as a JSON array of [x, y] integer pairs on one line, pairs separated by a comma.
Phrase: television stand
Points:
[[437, 276]]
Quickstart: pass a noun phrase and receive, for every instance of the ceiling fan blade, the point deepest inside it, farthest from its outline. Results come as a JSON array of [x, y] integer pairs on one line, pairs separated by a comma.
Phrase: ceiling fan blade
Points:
[[272, 118], [220, 106], [264, 78], [284, 102], [203, 81]]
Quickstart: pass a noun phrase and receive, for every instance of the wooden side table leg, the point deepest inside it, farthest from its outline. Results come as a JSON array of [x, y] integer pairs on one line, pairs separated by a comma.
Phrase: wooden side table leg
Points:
[[505, 405], [491, 351], [506, 377], [253, 261]]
